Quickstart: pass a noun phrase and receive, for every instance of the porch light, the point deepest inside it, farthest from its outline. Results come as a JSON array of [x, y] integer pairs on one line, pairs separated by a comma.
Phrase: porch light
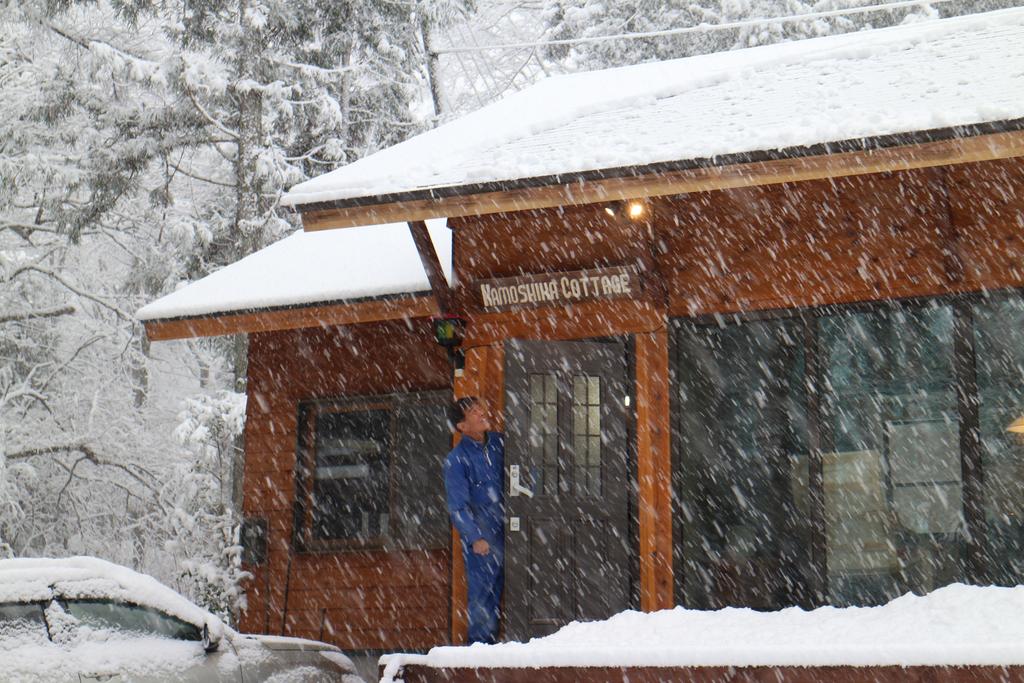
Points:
[[1017, 426], [636, 210]]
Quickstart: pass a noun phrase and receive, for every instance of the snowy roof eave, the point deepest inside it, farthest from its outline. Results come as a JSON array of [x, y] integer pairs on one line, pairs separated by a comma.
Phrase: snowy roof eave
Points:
[[307, 280], [407, 306], [616, 133], [673, 177]]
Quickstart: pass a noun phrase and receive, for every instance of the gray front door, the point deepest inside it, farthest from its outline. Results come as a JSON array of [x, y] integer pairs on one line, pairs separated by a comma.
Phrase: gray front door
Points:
[[567, 546]]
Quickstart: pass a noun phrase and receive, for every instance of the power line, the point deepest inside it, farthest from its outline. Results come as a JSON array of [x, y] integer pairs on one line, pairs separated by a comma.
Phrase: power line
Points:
[[699, 28]]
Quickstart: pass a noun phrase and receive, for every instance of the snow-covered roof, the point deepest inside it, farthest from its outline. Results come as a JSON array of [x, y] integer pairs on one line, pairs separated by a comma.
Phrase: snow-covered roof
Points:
[[955, 625], [919, 77], [309, 268]]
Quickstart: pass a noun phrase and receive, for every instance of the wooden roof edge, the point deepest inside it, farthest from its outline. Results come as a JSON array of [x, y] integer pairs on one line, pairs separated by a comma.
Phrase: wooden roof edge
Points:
[[292, 318], [716, 174]]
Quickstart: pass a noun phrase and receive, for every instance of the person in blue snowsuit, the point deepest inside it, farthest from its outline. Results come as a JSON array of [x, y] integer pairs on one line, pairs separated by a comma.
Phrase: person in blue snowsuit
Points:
[[474, 483]]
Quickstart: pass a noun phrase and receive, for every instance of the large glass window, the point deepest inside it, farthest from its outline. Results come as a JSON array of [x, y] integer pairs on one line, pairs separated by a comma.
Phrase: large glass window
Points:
[[891, 453], [847, 455], [742, 406], [999, 348], [370, 472]]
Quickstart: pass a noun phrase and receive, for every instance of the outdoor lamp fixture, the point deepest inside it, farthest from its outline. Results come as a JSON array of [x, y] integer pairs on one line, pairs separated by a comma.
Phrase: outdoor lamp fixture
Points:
[[1017, 426], [448, 332], [634, 209]]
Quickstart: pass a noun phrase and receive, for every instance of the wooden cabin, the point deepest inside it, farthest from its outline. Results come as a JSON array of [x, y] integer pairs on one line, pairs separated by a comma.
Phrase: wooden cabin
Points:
[[755, 337]]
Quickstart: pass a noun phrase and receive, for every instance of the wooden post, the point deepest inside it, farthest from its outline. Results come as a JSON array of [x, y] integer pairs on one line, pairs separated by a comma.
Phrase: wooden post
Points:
[[654, 470]]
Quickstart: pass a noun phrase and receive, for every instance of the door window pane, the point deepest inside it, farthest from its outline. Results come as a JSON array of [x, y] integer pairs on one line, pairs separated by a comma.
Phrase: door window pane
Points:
[[743, 451], [999, 350], [893, 493], [543, 432], [586, 435]]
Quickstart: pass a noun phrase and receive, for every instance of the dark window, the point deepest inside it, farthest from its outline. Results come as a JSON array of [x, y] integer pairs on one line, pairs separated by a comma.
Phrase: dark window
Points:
[[351, 474], [254, 541], [121, 618], [370, 473], [847, 455], [891, 455], [742, 411], [999, 345]]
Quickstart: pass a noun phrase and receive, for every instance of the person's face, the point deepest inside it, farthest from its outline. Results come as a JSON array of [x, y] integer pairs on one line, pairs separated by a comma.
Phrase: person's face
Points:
[[477, 420]]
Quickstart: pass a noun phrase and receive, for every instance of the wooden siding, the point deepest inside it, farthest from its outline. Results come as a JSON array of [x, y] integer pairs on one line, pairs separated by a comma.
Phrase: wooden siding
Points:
[[911, 233], [355, 599], [916, 233]]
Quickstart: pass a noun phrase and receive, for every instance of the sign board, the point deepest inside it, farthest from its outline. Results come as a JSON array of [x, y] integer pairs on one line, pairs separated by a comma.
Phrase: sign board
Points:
[[554, 289]]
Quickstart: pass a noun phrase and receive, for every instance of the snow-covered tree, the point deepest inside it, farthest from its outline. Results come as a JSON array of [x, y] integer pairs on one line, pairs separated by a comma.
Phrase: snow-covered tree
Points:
[[198, 519], [143, 144]]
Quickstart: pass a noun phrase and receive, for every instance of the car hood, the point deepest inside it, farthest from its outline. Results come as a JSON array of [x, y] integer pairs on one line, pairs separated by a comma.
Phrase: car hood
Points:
[[286, 643]]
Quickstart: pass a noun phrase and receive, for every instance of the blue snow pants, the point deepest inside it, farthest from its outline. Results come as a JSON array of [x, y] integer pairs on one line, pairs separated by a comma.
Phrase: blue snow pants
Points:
[[485, 577]]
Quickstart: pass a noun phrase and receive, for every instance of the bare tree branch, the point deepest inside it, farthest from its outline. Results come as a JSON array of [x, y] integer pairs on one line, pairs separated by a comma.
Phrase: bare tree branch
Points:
[[33, 315], [206, 115], [67, 285], [87, 452]]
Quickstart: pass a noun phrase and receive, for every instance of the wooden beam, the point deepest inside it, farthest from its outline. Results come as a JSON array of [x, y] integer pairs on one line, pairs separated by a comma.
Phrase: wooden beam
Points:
[[431, 264], [796, 169], [578, 321], [292, 318], [654, 470]]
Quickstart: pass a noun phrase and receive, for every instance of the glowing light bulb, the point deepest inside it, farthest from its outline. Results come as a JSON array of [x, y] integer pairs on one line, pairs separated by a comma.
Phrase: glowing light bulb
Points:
[[636, 210]]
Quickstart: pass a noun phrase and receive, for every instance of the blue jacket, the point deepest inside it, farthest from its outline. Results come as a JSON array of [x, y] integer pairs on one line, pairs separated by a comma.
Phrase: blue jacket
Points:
[[474, 482]]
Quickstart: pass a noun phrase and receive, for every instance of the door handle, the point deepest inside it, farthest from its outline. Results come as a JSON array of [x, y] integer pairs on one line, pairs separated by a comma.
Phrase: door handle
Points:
[[514, 487]]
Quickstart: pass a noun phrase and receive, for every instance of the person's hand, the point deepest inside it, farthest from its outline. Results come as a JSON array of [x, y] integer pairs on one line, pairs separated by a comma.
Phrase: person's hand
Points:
[[481, 547]]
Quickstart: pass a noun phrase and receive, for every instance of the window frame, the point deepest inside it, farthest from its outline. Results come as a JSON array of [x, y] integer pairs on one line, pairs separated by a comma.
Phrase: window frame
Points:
[[303, 538], [968, 406]]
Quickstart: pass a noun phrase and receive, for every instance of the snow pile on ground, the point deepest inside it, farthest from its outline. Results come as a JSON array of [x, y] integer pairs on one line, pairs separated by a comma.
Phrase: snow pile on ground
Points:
[[922, 76], [312, 267], [955, 625]]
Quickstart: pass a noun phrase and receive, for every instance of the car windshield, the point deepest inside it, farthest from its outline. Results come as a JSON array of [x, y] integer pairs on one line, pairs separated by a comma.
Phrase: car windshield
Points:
[[122, 618], [20, 624]]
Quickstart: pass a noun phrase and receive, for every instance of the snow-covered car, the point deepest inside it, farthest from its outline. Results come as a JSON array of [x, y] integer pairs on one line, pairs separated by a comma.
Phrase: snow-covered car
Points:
[[86, 620]]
